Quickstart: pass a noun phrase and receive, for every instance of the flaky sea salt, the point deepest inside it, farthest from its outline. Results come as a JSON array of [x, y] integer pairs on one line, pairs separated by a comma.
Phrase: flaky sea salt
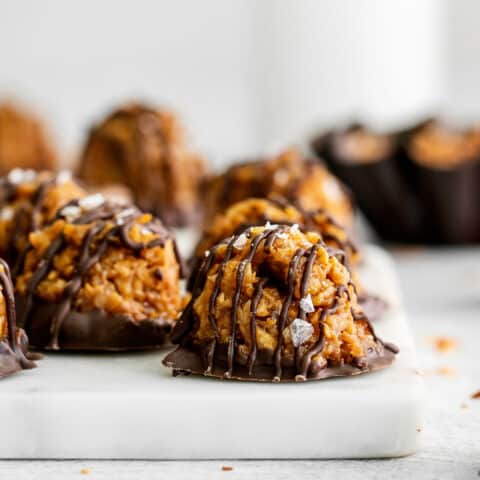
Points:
[[270, 226], [306, 304], [207, 253], [63, 176], [19, 175], [92, 201], [70, 212], [301, 331], [240, 242], [121, 216], [294, 228], [145, 231], [7, 213]]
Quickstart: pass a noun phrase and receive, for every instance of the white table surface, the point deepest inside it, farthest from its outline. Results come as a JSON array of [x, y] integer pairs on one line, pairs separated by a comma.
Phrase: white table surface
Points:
[[442, 293]]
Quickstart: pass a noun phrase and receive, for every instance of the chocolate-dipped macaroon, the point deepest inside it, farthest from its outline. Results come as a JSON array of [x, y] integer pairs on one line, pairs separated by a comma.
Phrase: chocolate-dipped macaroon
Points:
[[272, 304], [301, 181], [14, 354], [258, 211], [23, 141], [102, 276], [28, 201], [275, 210], [145, 149]]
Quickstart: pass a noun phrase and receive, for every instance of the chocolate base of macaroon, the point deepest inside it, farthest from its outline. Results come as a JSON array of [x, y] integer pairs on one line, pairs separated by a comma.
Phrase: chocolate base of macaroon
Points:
[[12, 360], [191, 361], [95, 330]]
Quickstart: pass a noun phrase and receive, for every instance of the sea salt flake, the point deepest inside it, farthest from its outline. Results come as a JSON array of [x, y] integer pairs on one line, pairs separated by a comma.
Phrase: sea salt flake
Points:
[[207, 253], [63, 177], [282, 235], [126, 213], [120, 217], [240, 242], [19, 175], [70, 212], [306, 304], [294, 228], [7, 213], [92, 201], [145, 231], [270, 226], [301, 331]]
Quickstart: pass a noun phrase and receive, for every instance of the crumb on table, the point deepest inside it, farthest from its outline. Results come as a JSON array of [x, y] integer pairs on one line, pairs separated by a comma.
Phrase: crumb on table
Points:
[[446, 371], [443, 344]]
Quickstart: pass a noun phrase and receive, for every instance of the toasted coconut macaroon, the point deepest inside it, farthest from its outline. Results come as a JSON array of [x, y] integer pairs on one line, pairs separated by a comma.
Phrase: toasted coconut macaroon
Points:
[[299, 180], [271, 304], [14, 354], [440, 147], [23, 141], [28, 201], [257, 212], [102, 276], [275, 210], [145, 149]]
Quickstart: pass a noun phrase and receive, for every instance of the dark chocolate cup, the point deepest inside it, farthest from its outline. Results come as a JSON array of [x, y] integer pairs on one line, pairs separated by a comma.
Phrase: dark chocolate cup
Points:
[[189, 361], [450, 199], [95, 330], [406, 201], [383, 191]]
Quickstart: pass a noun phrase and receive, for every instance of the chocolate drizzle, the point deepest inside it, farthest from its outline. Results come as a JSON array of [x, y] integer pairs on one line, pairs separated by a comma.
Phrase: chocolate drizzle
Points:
[[221, 359], [308, 223], [25, 220], [14, 349], [91, 251]]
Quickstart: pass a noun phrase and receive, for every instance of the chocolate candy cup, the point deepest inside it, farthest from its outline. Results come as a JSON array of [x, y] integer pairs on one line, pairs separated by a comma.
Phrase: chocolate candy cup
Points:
[[406, 200], [451, 198], [381, 188]]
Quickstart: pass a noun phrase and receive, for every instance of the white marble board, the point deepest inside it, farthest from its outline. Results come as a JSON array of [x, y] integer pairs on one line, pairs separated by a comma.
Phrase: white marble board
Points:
[[127, 406]]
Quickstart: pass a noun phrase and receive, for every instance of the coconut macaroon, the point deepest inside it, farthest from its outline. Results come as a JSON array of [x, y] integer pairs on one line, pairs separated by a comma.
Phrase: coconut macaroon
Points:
[[23, 141], [28, 201], [14, 354], [102, 276], [145, 149], [259, 211], [271, 304], [299, 180], [438, 146]]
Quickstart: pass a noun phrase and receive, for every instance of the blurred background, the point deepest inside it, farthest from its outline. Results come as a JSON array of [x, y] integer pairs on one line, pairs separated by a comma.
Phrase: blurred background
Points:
[[244, 75]]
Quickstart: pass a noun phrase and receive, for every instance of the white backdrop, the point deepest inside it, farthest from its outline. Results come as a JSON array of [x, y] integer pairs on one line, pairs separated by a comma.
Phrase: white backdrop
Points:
[[243, 74]]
